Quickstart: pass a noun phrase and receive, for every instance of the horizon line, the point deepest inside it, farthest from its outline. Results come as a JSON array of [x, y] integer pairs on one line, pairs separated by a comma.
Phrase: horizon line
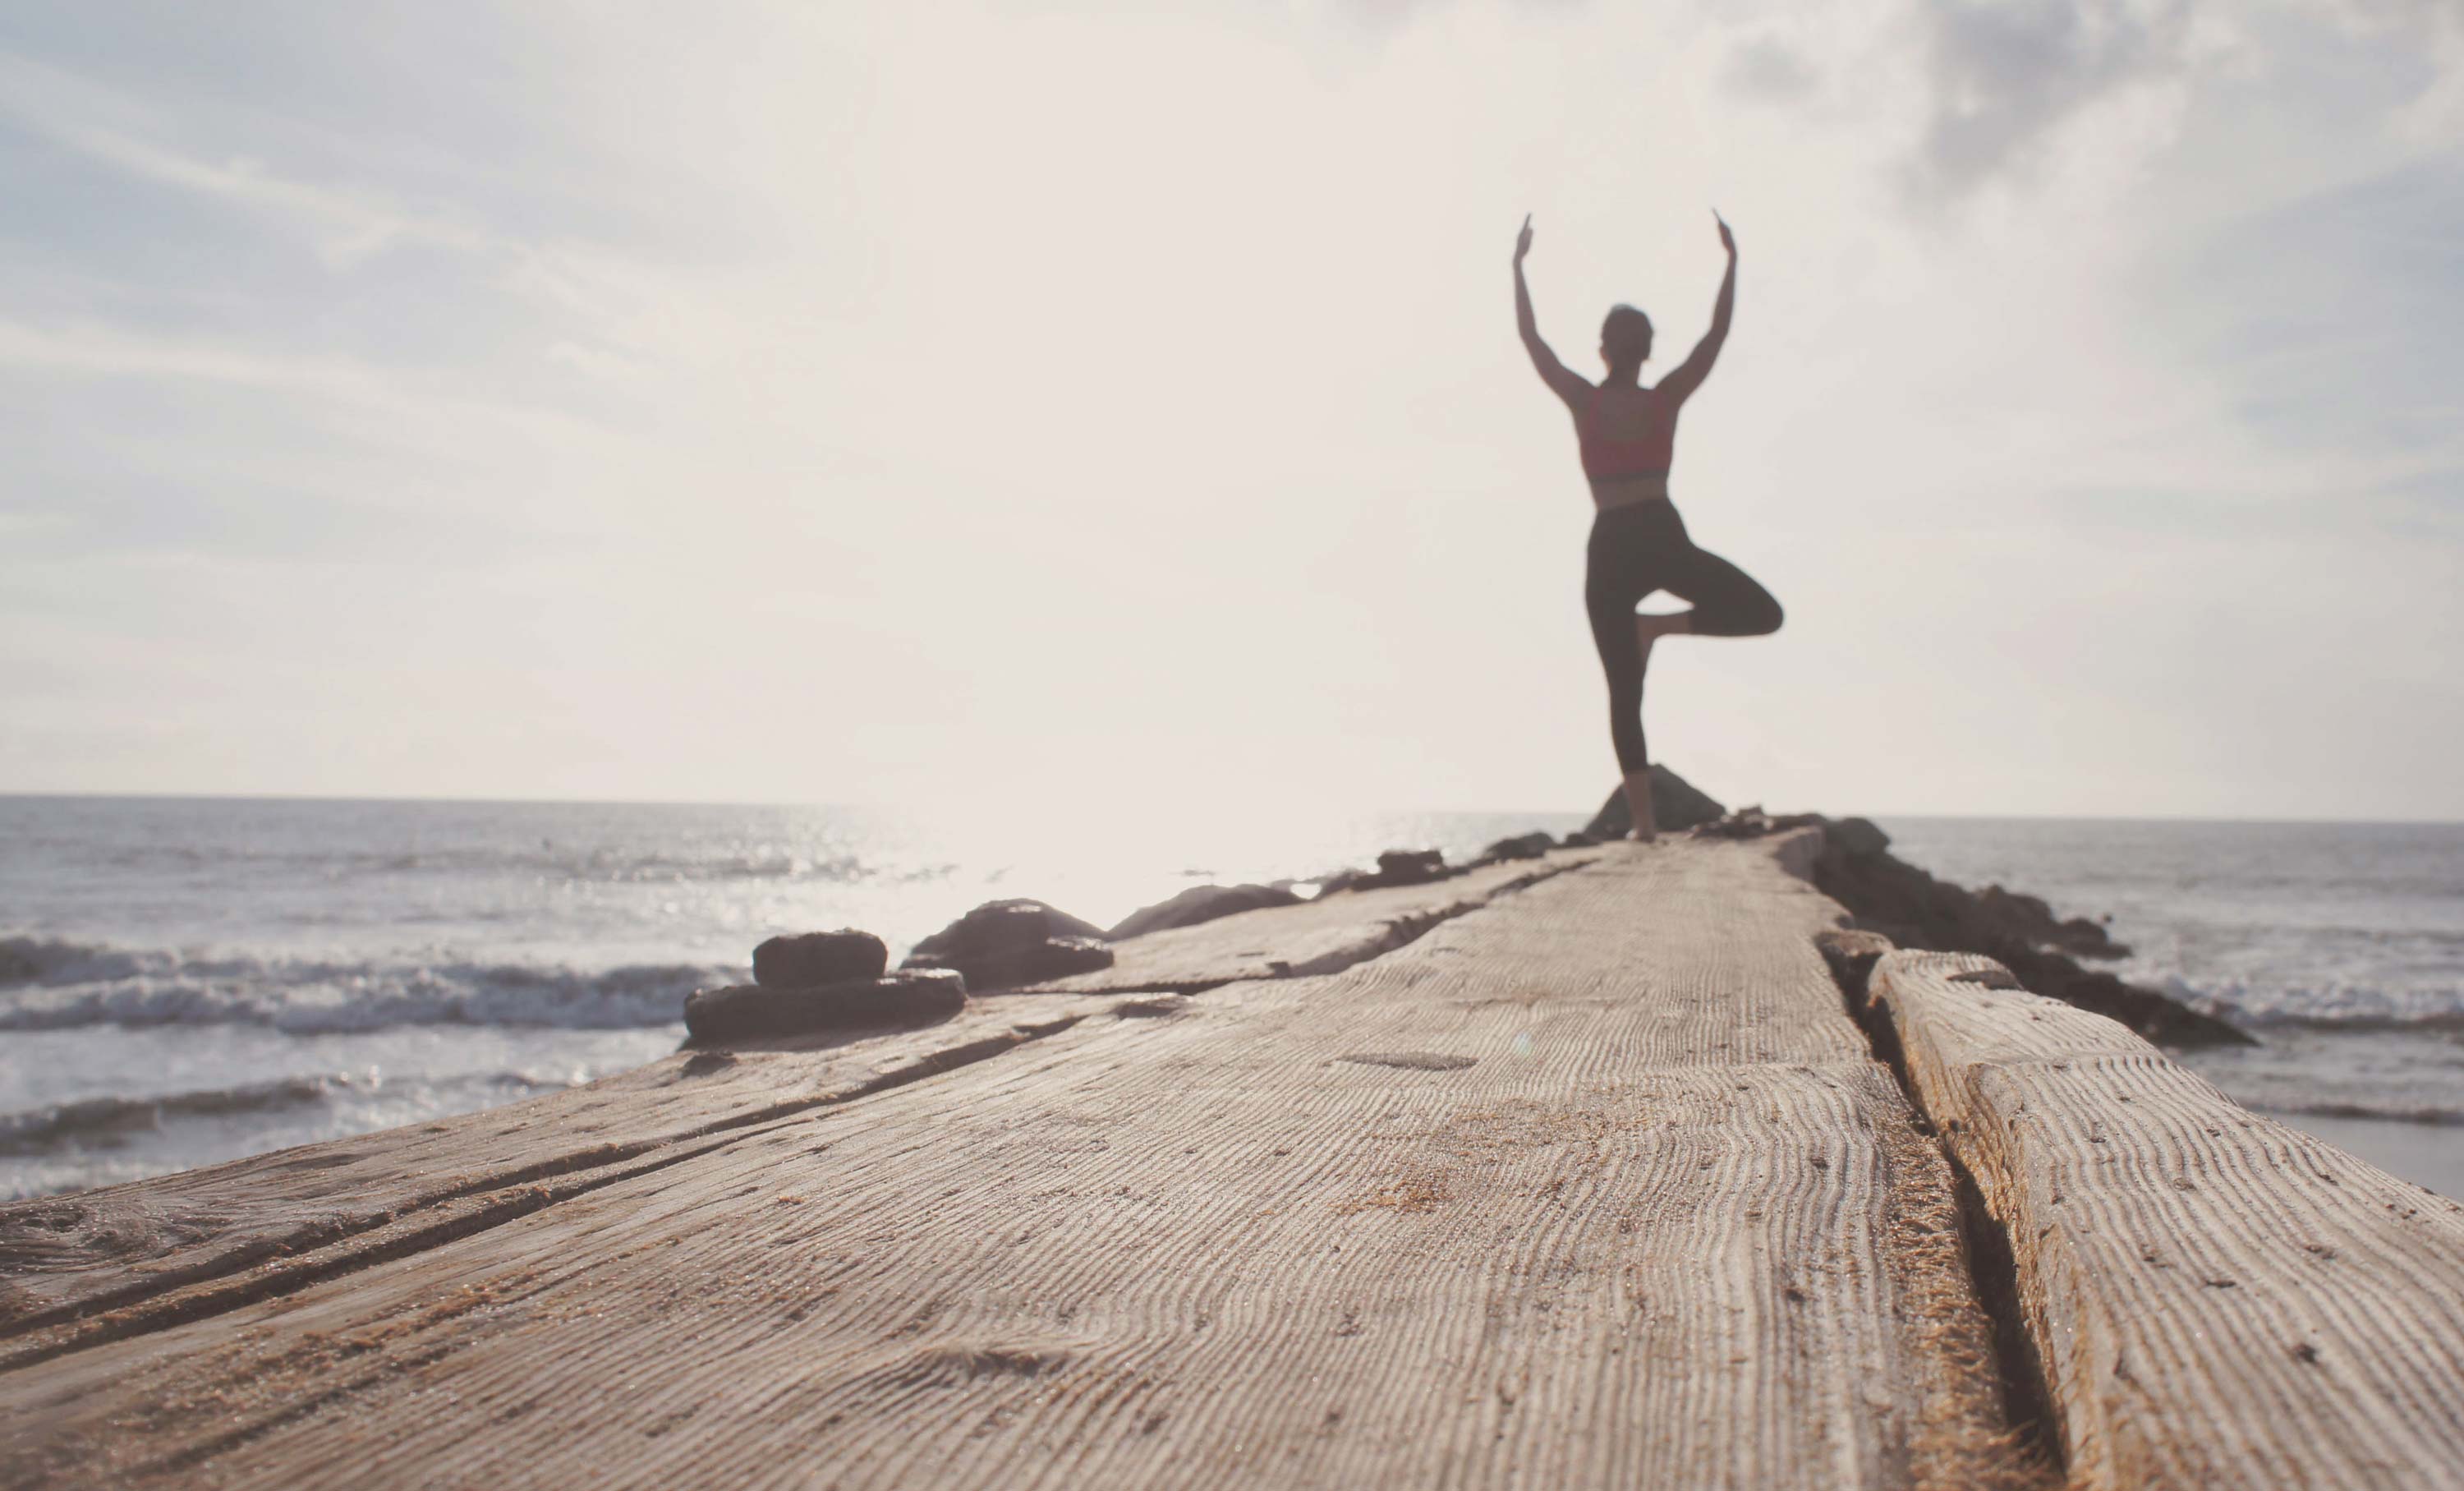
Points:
[[441, 800]]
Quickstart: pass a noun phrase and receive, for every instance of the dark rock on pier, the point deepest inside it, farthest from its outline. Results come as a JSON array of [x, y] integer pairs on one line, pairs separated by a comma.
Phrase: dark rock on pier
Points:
[[1003, 943], [1858, 838], [2027, 913], [1521, 846], [1675, 803], [1913, 910], [744, 1012], [1410, 867], [1394, 867], [812, 959], [1059, 957], [1201, 903]]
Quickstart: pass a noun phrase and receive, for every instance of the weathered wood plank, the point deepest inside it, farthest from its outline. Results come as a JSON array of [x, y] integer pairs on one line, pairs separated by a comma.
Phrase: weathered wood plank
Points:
[[72, 1259], [2218, 1299], [314, 1207], [1596, 1184]]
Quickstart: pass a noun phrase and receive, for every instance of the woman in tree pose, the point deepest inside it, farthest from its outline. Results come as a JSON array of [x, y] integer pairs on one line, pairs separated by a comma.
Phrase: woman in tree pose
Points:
[[1628, 433]]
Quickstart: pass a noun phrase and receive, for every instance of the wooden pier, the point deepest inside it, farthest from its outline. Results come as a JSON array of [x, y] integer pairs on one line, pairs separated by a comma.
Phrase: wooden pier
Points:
[[1624, 1167]]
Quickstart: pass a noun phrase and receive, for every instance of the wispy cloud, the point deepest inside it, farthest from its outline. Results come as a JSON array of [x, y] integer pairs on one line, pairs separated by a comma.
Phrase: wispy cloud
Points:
[[1768, 68], [345, 224], [2004, 75]]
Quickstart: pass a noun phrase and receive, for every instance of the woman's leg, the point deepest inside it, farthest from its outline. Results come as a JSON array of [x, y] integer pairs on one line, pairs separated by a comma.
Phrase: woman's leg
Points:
[[1728, 601], [1612, 613], [1615, 584]]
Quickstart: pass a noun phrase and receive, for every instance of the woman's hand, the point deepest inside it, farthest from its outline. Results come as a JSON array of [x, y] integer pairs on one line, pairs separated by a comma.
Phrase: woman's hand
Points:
[[1728, 239], [1522, 241]]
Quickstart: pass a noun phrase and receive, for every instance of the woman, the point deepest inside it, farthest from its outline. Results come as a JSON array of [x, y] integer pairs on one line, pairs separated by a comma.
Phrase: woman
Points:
[[1628, 433]]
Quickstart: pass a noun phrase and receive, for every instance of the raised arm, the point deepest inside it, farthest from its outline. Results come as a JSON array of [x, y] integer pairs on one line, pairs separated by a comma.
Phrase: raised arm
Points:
[[1562, 381], [1688, 375]]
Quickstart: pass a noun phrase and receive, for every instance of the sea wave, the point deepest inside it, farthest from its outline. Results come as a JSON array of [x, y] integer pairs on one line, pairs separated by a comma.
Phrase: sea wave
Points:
[[111, 1120], [2430, 1115], [49, 984], [2331, 1007], [579, 863]]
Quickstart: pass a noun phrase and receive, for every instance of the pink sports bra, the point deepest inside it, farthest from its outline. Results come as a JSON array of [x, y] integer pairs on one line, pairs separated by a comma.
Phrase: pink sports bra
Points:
[[1646, 453]]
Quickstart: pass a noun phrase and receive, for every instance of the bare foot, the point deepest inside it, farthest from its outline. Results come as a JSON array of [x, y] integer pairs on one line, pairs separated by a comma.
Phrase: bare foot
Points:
[[1638, 804]]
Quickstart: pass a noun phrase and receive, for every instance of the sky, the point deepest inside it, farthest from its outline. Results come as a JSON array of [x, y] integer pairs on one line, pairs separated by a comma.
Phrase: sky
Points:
[[1119, 407]]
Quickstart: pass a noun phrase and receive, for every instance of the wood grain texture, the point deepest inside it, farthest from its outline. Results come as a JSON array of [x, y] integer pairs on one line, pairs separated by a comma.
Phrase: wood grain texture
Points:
[[1669, 1226], [66, 1263], [296, 1212], [2218, 1299]]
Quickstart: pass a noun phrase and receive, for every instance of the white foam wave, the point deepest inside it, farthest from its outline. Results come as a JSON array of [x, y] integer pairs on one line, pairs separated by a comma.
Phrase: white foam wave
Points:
[[62, 984], [111, 1121], [2327, 1006], [2428, 1115]]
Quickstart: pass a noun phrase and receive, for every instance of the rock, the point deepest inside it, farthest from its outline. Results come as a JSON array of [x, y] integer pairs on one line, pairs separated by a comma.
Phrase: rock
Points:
[[743, 1011], [1674, 802], [812, 959], [1394, 867], [1754, 823], [1003, 943], [1522, 846], [1913, 910], [1059, 957], [1411, 867], [1201, 903], [2028, 916], [1578, 839], [1858, 838]]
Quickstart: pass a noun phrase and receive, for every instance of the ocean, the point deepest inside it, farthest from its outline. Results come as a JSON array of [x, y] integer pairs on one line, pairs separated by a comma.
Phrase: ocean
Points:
[[184, 981]]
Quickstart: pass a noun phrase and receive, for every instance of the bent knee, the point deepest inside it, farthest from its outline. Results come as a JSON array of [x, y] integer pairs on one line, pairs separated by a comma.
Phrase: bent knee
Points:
[[1760, 617]]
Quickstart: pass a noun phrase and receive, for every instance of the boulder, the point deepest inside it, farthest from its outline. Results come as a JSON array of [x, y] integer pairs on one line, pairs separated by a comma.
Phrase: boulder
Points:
[[1674, 802], [1059, 957], [1754, 823], [2030, 916], [812, 959], [745, 1011], [1201, 903], [1003, 943], [1858, 838], [1521, 846], [1411, 866], [1394, 867], [1889, 896], [1578, 839], [1341, 879]]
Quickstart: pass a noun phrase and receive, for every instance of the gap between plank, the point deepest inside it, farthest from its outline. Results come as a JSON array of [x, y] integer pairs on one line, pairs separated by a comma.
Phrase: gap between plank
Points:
[[1985, 1241]]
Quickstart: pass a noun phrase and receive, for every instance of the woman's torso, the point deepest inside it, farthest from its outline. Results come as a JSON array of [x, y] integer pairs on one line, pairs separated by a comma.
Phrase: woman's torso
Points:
[[1628, 436]]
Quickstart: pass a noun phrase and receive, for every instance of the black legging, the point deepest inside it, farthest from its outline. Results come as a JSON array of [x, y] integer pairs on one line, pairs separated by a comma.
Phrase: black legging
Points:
[[1634, 550]]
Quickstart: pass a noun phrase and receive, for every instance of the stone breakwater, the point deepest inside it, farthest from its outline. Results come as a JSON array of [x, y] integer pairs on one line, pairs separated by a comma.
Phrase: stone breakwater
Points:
[[834, 980]]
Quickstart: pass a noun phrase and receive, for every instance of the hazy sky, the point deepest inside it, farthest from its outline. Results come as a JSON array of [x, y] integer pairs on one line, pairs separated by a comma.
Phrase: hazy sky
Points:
[[1068, 402]]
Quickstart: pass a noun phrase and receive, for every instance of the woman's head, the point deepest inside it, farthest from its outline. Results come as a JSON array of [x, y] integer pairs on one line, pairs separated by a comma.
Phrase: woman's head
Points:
[[1625, 339]]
